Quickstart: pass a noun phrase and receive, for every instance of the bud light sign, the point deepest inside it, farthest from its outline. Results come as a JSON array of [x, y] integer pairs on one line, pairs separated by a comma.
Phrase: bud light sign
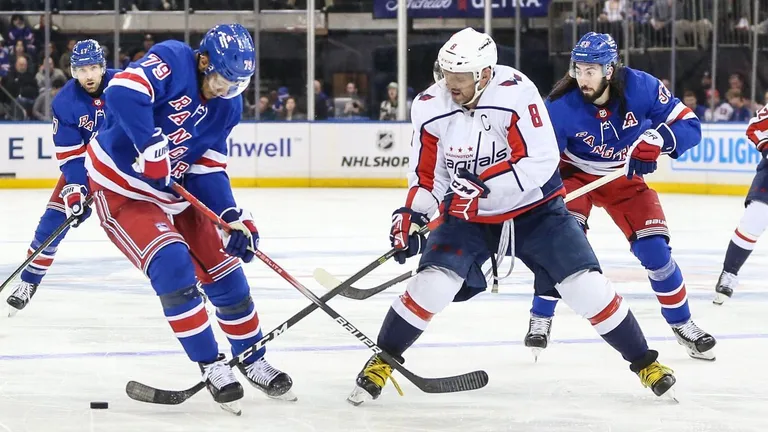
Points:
[[460, 8]]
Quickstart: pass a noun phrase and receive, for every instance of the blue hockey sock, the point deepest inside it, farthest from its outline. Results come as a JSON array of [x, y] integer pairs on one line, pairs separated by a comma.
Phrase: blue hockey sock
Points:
[[37, 269], [396, 334], [666, 278], [544, 306]]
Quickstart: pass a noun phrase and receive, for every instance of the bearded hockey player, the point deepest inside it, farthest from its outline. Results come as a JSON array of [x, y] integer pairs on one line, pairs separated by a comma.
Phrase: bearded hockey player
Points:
[[607, 116], [485, 155], [171, 114], [78, 112]]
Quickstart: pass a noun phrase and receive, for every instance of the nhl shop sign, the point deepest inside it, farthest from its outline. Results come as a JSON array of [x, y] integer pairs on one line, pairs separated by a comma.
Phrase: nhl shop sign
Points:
[[385, 142], [460, 8]]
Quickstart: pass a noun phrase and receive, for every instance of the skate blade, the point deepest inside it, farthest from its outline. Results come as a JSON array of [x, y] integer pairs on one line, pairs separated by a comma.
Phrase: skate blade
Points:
[[706, 355], [536, 352], [12, 311], [287, 396], [720, 299], [232, 407], [671, 396], [358, 396]]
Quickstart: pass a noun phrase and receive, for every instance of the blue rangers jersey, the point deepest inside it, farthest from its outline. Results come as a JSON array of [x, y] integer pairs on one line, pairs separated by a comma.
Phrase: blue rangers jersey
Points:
[[596, 139], [76, 117], [162, 90]]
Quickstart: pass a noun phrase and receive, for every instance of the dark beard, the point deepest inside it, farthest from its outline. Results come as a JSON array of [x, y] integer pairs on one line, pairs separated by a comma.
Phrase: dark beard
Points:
[[598, 93]]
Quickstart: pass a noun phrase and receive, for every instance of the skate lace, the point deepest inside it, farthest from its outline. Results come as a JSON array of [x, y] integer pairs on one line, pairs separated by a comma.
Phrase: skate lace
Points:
[[652, 373], [378, 371], [262, 372], [24, 291], [219, 373], [728, 280], [691, 331], [540, 325]]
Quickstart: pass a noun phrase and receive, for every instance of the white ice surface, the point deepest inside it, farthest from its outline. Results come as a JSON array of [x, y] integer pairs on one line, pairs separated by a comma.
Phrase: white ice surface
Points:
[[95, 324]]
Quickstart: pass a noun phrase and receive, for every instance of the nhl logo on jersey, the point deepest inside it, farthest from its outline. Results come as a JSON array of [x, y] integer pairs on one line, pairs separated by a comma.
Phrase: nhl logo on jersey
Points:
[[602, 113], [162, 227], [385, 140]]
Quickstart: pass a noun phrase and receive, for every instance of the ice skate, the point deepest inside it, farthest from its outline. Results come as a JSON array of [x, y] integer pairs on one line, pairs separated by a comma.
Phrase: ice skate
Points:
[[223, 385], [20, 297], [371, 380], [655, 375], [537, 338], [724, 288], [696, 341], [273, 382]]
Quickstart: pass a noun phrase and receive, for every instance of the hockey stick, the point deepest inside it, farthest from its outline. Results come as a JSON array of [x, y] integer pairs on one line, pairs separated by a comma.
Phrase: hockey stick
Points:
[[60, 229], [144, 393], [329, 281]]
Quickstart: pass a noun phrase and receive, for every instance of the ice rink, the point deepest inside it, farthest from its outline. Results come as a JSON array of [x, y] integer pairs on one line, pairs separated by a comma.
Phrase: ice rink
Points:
[[95, 324]]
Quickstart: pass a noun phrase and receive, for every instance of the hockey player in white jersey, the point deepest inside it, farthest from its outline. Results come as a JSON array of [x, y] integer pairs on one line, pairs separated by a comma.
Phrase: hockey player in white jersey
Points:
[[484, 155]]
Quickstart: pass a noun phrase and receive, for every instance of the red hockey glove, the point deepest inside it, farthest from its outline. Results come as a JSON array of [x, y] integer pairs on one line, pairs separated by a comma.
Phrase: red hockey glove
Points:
[[154, 162], [463, 200], [404, 234]]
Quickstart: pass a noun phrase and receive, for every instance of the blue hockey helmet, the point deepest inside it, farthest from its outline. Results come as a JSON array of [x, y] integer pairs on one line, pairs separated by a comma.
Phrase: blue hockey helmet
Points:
[[85, 53], [598, 48], [231, 55]]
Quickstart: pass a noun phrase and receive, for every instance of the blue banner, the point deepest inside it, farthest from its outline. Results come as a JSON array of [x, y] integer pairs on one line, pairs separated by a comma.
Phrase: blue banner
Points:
[[460, 8]]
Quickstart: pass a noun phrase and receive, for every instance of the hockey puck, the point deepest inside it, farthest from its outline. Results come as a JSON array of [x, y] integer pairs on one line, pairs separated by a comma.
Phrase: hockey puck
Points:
[[99, 405]]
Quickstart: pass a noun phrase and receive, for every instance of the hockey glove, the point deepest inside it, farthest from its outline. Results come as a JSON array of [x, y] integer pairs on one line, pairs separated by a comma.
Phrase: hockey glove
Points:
[[74, 203], [153, 162], [463, 200], [404, 234], [756, 134], [645, 151], [244, 237]]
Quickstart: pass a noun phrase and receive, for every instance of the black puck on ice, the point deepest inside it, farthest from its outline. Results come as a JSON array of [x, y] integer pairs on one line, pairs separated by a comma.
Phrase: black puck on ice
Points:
[[99, 405]]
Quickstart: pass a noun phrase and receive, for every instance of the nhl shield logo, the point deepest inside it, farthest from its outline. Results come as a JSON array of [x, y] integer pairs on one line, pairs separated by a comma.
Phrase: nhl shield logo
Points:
[[385, 140]]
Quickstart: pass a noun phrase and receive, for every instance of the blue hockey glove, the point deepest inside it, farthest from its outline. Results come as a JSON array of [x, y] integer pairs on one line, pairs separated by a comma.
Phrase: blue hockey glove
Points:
[[645, 151], [463, 200], [244, 237], [74, 203], [404, 234]]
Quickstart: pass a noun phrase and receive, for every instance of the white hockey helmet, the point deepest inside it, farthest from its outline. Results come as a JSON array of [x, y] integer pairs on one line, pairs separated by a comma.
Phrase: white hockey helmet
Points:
[[468, 51]]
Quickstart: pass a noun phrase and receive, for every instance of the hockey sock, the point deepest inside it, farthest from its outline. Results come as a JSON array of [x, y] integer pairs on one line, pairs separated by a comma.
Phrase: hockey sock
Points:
[[751, 227], [396, 334], [173, 278], [543, 306], [236, 313], [37, 269], [665, 277], [627, 338]]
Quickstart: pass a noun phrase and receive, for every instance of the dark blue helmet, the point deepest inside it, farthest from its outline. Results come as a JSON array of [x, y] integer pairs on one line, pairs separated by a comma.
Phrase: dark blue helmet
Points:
[[85, 53], [231, 54], [598, 48]]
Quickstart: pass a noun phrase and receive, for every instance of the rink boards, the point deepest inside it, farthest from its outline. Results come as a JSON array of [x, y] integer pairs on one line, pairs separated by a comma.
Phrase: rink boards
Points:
[[370, 154]]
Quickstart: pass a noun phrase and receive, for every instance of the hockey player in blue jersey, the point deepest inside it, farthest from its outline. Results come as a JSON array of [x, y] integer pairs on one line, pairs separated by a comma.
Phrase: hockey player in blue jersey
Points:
[[78, 112], [171, 114], [607, 117]]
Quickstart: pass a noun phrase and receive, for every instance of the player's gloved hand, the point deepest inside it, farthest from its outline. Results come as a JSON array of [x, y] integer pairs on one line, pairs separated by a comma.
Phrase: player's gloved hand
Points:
[[244, 237], [645, 151], [404, 233], [74, 202], [463, 200], [153, 162]]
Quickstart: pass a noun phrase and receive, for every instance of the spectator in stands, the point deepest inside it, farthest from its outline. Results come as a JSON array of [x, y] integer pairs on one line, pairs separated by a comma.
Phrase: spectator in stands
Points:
[[20, 50], [322, 102], [38, 30], [5, 62], [736, 81], [138, 53], [265, 110], [355, 107], [704, 85], [290, 112], [21, 84], [55, 74], [64, 62], [388, 108], [278, 98], [20, 31], [740, 112], [39, 108], [586, 13], [723, 111], [689, 99]]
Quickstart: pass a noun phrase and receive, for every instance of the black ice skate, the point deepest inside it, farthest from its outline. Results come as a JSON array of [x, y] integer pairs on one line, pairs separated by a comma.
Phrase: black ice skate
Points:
[[221, 382], [371, 380], [724, 288], [20, 297], [696, 341], [654, 374], [274, 383], [537, 338]]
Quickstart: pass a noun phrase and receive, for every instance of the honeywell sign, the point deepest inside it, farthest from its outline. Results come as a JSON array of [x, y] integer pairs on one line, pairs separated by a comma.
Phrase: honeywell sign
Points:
[[460, 8]]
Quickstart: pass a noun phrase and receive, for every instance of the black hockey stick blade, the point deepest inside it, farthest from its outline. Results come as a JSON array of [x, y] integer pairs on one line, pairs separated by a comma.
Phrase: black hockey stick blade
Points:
[[329, 282], [144, 393], [44, 245], [459, 383]]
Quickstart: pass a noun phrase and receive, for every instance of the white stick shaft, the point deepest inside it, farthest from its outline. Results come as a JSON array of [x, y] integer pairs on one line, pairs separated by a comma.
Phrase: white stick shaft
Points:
[[572, 195]]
